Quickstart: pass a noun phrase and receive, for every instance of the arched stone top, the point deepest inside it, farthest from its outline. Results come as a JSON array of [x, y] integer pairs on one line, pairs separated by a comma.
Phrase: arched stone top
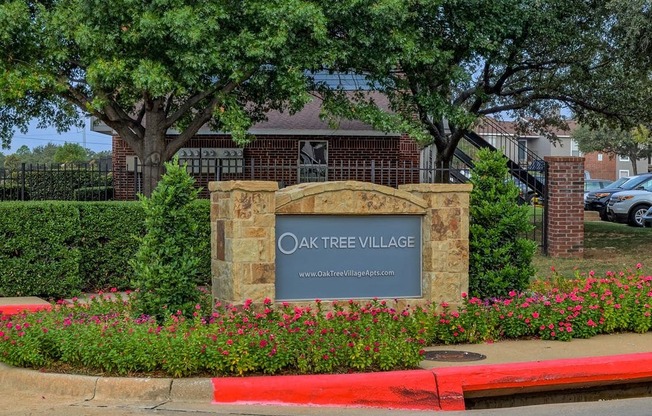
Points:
[[347, 197]]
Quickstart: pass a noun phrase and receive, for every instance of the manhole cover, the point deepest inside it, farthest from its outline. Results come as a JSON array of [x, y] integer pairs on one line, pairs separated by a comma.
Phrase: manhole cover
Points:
[[456, 356]]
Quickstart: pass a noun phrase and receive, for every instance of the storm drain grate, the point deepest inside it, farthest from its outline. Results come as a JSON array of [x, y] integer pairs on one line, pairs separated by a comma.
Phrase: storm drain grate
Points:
[[456, 356]]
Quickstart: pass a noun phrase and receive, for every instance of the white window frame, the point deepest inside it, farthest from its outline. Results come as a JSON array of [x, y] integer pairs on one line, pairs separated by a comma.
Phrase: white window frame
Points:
[[622, 158], [622, 173], [574, 149]]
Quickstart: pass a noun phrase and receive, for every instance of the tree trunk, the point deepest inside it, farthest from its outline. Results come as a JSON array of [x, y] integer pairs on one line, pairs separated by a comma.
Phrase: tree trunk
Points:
[[634, 162], [153, 157]]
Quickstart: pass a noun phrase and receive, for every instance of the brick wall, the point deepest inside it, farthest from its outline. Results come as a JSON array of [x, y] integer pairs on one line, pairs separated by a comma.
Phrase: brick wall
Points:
[[275, 158], [565, 205], [600, 169]]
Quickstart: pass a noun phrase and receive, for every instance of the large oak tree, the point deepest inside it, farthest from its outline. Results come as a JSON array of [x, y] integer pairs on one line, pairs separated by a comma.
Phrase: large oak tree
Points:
[[148, 68], [445, 63]]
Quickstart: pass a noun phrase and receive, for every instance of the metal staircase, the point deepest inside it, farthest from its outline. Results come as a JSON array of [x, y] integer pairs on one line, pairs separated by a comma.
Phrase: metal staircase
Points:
[[526, 167]]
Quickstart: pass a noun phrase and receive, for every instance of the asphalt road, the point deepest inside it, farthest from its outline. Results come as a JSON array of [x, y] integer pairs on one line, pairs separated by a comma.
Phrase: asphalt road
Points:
[[14, 402]]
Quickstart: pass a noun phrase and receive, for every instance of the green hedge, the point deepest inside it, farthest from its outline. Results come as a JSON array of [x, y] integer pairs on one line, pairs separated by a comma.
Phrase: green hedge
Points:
[[94, 193], [61, 184], [109, 232], [55, 249], [39, 249], [11, 191]]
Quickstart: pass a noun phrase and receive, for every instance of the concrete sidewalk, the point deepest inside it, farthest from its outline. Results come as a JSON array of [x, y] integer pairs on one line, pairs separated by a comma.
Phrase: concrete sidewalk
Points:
[[510, 367]]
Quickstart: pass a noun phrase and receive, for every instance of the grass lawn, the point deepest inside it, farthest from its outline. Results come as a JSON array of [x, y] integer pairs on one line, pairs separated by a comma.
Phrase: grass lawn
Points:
[[607, 247]]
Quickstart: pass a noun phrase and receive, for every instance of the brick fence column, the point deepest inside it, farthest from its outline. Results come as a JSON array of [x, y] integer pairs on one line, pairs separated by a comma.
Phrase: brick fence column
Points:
[[565, 207]]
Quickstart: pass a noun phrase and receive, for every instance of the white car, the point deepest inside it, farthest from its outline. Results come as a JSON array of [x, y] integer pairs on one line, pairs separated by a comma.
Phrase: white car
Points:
[[629, 206]]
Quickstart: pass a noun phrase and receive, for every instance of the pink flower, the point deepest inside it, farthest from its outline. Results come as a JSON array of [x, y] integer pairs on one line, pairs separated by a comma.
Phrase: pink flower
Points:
[[535, 314], [639, 265]]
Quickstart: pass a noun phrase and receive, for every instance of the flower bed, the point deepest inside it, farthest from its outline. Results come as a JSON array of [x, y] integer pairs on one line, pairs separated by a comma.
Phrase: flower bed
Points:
[[102, 336]]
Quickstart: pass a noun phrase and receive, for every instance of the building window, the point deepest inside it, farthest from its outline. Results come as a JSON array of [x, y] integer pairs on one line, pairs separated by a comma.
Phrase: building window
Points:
[[575, 151], [622, 173], [313, 161], [623, 158]]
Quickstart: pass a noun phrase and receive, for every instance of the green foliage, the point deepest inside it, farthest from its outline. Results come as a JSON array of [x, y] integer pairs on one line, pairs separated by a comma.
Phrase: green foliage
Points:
[[635, 143], [106, 236], [101, 336], [166, 267], [39, 249], [12, 191], [186, 63], [94, 193], [70, 153], [61, 184], [109, 232], [500, 258], [441, 65]]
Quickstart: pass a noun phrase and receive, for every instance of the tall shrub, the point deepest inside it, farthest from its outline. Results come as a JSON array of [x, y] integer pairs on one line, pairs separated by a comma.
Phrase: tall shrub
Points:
[[39, 249], [500, 258], [166, 267]]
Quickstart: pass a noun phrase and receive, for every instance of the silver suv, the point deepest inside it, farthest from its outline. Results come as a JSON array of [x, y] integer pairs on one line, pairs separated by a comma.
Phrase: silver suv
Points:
[[630, 206]]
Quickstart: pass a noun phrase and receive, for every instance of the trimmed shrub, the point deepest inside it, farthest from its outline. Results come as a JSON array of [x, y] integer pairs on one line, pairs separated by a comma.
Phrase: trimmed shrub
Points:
[[39, 249], [61, 184], [166, 267], [109, 232], [94, 193], [500, 259], [200, 210], [11, 191], [106, 236]]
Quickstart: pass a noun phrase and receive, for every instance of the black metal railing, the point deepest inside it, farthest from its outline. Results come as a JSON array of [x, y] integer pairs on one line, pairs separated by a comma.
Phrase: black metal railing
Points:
[[80, 182]]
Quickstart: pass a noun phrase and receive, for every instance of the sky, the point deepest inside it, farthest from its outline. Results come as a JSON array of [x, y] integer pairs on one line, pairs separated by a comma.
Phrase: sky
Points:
[[40, 137]]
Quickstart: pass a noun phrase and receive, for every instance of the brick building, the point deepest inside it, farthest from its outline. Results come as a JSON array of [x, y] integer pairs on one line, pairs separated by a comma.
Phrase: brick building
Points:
[[289, 149]]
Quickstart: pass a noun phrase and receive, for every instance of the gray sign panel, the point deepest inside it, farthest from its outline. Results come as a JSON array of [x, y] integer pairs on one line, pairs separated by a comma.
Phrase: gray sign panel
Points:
[[346, 257]]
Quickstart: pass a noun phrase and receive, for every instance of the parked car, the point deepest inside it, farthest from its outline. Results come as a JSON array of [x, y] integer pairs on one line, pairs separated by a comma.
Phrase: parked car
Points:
[[595, 184], [647, 218], [597, 200], [630, 206]]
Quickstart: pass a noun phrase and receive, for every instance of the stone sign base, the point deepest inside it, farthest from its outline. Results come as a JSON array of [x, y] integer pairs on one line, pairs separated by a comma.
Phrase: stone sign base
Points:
[[244, 241]]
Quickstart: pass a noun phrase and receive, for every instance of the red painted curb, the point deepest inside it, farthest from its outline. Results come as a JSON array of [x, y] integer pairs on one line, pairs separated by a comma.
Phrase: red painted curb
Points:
[[408, 390], [434, 389], [16, 309], [454, 382]]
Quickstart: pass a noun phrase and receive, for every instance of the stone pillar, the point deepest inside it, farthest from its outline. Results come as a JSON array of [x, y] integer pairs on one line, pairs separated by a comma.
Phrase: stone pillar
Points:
[[445, 273], [565, 207], [242, 240]]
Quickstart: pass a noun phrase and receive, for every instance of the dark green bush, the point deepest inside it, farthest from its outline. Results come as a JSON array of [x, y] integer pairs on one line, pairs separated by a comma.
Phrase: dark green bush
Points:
[[109, 232], [39, 249], [11, 191], [166, 266], [201, 211], [60, 184], [106, 239], [500, 258], [94, 193]]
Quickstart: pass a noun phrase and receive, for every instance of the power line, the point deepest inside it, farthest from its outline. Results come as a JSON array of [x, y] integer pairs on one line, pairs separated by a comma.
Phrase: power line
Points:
[[58, 141]]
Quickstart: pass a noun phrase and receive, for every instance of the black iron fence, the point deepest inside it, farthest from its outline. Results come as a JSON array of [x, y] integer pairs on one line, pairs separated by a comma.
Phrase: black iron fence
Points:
[[292, 172], [69, 182], [89, 182]]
